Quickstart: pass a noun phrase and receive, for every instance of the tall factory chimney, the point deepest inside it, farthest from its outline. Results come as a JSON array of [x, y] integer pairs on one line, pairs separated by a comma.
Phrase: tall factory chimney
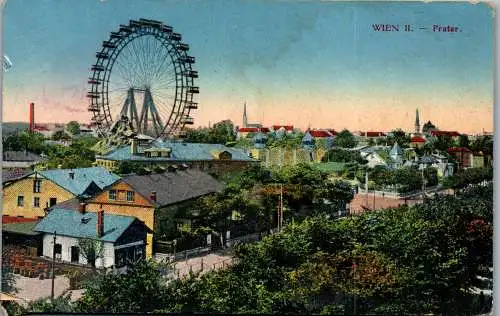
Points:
[[32, 117]]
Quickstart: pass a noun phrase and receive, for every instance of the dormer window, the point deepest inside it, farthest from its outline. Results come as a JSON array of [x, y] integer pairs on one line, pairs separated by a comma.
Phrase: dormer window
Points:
[[112, 194], [37, 186]]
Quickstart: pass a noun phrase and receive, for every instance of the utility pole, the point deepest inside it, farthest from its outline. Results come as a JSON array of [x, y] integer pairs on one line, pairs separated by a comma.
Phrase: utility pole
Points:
[[366, 186], [281, 206], [53, 266]]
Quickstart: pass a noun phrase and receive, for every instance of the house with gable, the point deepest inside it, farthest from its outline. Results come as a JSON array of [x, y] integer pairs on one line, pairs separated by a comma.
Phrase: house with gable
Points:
[[119, 239], [163, 201], [214, 158], [396, 155], [32, 195]]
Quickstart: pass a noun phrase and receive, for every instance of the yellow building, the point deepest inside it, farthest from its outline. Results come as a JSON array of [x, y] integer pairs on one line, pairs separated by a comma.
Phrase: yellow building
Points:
[[30, 196]]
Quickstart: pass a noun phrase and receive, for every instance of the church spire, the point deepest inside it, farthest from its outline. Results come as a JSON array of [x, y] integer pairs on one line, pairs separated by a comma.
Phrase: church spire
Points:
[[245, 118], [417, 123]]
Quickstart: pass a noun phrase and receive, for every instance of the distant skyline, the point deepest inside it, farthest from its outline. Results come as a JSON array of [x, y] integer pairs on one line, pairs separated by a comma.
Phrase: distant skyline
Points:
[[306, 63]]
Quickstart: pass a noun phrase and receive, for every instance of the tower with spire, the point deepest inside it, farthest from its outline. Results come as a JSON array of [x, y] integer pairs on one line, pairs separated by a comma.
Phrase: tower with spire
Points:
[[245, 117], [417, 123]]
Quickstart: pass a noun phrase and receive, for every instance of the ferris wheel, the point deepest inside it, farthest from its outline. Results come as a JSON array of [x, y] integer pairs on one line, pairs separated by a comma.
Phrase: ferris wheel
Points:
[[143, 75]]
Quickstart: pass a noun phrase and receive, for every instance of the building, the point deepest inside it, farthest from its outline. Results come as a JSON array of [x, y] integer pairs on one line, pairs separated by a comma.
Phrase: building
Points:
[[417, 141], [20, 160], [286, 129], [117, 239], [245, 119], [463, 155], [159, 200], [396, 155], [243, 132], [417, 123], [453, 134], [214, 158], [30, 196]]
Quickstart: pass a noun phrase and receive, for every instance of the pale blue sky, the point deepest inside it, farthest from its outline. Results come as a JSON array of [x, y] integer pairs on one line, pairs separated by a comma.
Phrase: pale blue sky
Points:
[[264, 52]]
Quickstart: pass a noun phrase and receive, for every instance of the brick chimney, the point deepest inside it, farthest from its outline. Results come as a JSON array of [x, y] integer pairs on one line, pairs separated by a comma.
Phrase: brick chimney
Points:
[[32, 117], [152, 196], [82, 207], [100, 223]]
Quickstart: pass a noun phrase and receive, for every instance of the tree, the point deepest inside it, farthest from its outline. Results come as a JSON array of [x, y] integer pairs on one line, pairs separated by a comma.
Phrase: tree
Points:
[[61, 135], [399, 136], [126, 167], [141, 289], [463, 141], [91, 250], [73, 127], [345, 139]]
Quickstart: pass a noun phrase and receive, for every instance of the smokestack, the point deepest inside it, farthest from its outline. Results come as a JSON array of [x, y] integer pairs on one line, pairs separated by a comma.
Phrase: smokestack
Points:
[[82, 207], [32, 117], [152, 197], [100, 223]]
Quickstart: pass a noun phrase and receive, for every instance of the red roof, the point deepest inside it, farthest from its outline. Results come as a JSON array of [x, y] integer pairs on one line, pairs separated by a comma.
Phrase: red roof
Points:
[[40, 128], [417, 139], [373, 134], [320, 133], [286, 127], [253, 130], [443, 133], [12, 219], [459, 149], [332, 131]]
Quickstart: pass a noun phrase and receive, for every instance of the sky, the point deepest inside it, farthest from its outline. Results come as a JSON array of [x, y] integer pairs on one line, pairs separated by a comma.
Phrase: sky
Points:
[[312, 64]]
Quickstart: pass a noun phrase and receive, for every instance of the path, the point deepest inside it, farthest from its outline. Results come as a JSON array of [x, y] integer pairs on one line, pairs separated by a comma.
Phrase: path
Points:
[[30, 289]]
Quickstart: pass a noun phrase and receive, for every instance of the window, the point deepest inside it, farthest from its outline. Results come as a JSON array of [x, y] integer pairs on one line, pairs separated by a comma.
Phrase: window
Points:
[[37, 186], [75, 254], [52, 202], [112, 194], [20, 200], [58, 249], [130, 196], [36, 201]]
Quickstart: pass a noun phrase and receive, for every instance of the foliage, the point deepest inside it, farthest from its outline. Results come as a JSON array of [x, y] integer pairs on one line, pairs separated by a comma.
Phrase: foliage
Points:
[[126, 167], [141, 289], [469, 177], [342, 155], [60, 304], [61, 135], [400, 137], [29, 141], [345, 139], [418, 260], [220, 133], [443, 142], [73, 127], [91, 250], [8, 280]]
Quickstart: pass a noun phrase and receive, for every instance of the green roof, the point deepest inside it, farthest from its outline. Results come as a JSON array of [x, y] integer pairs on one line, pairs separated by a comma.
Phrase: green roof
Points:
[[82, 178], [84, 225], [26, 228], [180, 152], [331, 166]]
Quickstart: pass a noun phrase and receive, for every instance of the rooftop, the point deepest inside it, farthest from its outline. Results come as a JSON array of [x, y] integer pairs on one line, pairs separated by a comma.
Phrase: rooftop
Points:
[[25, 228], [83, 225], [78, 180], [174, 187], [10, 155], [180, 152]]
